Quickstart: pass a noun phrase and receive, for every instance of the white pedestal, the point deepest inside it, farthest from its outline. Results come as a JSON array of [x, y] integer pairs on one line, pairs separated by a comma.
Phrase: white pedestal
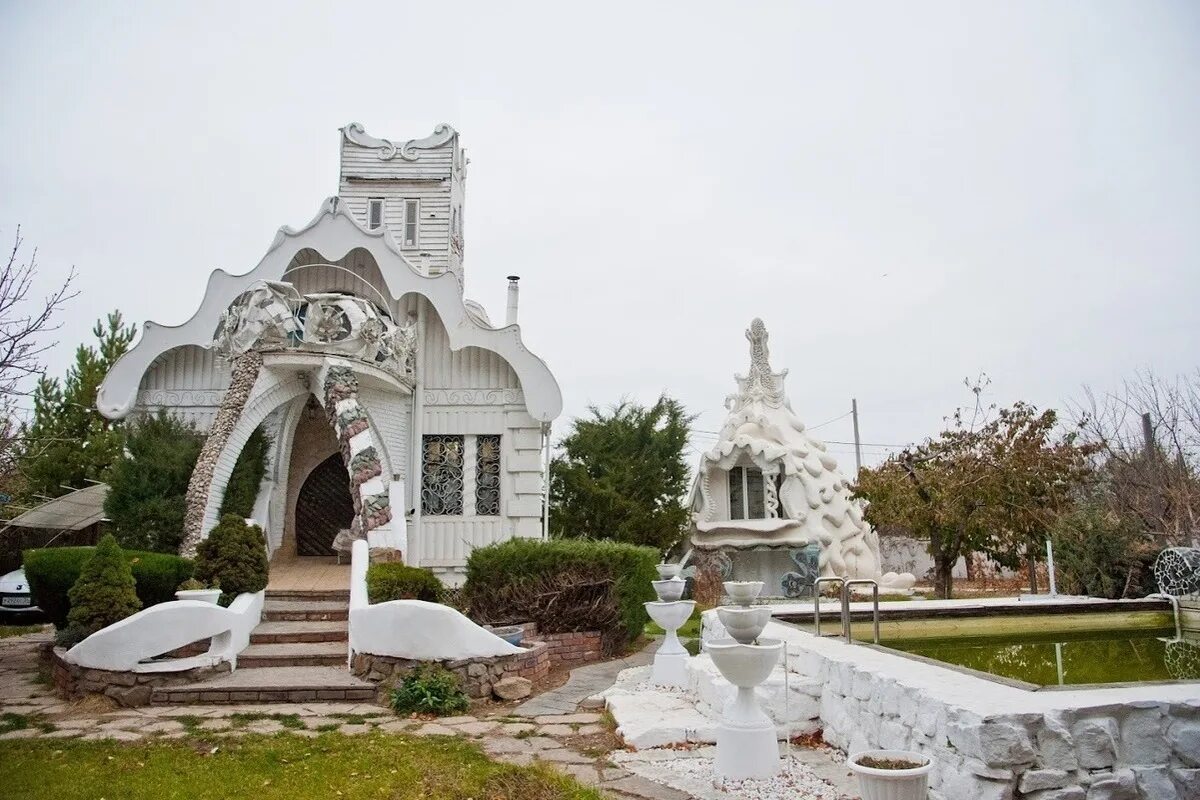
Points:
[[670, 669], [747, 751]]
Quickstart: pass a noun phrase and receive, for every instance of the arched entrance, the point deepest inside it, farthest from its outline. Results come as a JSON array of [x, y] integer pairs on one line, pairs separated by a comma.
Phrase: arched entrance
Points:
[[323, 507]]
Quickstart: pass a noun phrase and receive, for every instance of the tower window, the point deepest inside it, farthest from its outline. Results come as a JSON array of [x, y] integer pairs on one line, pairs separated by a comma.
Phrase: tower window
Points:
[[412, 209], [374, 212]]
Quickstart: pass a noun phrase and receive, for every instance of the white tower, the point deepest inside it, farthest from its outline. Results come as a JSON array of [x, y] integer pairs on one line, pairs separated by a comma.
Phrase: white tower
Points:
[[415, 189]]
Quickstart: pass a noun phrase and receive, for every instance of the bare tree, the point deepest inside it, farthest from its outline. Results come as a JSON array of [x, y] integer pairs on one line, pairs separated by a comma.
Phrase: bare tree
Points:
[[1151, 471], [24, 322]]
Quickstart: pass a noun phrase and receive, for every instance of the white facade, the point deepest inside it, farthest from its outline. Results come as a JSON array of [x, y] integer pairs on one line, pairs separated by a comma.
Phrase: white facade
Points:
[[465, 378]]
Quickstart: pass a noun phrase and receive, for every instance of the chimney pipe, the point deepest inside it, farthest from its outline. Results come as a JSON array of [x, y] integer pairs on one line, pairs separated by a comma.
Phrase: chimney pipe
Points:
[[514, 291]]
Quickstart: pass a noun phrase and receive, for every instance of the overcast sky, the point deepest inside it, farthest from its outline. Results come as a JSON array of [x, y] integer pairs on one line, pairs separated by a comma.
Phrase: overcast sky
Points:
[[906, 193]]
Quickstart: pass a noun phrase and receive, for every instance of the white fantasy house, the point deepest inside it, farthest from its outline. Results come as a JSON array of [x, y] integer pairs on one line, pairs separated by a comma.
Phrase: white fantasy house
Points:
[[768, 500], [397, 411]]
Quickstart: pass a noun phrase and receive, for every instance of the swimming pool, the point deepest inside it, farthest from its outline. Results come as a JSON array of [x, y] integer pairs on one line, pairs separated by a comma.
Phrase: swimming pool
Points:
[[1035, 645], [1068, 659]]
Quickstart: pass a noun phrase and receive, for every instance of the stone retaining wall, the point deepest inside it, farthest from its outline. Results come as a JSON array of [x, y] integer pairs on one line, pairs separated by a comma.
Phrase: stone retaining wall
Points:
[[127, 688], [477, 676], [569, 650], [996, 742]]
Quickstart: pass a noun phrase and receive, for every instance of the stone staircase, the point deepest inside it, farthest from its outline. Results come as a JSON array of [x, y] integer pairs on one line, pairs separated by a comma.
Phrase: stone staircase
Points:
[[298, 652]]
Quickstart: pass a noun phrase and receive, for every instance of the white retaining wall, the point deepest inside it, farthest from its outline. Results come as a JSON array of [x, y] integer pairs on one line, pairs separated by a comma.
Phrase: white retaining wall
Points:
[[992, 741]]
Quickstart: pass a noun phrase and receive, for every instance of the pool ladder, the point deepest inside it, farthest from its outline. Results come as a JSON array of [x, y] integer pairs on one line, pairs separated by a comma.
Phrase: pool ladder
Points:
[[845, 598]]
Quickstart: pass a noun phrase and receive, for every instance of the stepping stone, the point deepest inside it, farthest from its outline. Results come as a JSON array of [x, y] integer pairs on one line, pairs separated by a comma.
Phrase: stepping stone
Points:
[[433, 729], [564, 756], [567, 719], [354, 730], [513, 728], [215, 725], [476, 728], [556, 730], [457, 720]]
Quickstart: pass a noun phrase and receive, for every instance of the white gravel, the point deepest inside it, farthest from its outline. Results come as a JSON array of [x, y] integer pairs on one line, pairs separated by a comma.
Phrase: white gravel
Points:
[[697, 776]]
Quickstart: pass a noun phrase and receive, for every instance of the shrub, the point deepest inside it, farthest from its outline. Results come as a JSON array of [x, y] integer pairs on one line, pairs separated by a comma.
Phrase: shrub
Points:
[[235, 556], [564, 585], [148, 486], [395, 581], [429, 690], [53, 571], [247, 475], [104, 592], [1096, 551]]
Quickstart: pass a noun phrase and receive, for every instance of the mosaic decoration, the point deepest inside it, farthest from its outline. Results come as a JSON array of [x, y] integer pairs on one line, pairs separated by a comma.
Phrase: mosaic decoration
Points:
[[1182, 659], [800, 582], [244, 374], [442, 476], [487, 476], [372, 509], [1177, 571], [272, 316]]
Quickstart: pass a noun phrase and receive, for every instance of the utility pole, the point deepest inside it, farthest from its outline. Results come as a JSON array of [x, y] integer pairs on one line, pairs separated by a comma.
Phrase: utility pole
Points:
[[857, 443], [1148, 434]]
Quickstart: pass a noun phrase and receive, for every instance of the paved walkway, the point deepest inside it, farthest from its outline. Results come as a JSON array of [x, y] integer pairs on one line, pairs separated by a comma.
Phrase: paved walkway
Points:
[[584, 683], [549, 729]]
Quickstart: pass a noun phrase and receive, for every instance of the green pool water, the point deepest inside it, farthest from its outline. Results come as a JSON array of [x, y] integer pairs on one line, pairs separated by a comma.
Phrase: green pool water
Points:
[[1086, 657]]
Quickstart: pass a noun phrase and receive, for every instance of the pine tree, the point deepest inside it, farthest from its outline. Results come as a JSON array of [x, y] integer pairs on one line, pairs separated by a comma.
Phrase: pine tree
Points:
[[105, 591], [148, 484], [622, 475], [68, 442]]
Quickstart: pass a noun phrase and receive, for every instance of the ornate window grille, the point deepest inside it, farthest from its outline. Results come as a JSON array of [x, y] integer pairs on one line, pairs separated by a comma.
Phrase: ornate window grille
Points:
[[442, 476], [487, 475]]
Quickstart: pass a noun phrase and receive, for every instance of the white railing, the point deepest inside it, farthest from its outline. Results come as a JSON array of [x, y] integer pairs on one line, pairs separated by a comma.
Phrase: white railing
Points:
[[126, 645], [413, 629]]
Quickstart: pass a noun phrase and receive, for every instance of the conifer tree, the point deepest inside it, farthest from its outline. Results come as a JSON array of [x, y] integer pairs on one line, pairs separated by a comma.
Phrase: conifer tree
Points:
[[69, 442], [235, 556], [105, 590]]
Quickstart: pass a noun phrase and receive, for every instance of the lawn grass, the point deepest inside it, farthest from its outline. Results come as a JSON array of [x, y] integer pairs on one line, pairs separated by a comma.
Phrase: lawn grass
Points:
[[18, 630], [689, 629], [282, 767]]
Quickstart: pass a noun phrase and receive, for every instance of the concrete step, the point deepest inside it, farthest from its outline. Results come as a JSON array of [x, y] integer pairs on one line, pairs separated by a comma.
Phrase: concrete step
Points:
[[304, 611], [271, 685], [294, 632], [298, 654], [306, 595]]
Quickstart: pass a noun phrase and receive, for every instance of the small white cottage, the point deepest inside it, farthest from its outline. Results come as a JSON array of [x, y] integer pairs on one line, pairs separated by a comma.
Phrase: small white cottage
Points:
[[397, 410], [770, 503]]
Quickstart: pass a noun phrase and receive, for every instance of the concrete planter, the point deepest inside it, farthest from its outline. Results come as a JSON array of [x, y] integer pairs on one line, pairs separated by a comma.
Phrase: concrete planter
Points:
[[892, 784], [203, 595]]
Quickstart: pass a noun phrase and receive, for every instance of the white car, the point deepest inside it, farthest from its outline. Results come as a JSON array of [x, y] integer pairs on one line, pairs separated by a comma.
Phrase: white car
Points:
[[15, 598]]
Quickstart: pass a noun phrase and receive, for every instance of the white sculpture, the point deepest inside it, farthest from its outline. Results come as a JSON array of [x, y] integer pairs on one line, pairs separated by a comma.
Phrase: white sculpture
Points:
[[768, 484]]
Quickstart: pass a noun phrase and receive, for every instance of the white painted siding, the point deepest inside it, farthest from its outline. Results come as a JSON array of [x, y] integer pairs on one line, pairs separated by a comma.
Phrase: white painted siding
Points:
[[188, 381], [435, 178], [389, 412]]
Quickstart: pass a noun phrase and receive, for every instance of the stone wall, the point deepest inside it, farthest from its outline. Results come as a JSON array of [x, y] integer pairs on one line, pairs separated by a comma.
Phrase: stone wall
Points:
[[126, 688], [477, 676], [991, 741], [569, 650]]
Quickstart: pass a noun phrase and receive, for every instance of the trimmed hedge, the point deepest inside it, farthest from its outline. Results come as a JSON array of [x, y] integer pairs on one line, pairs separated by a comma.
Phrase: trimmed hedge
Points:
[[52, 571], [395, 581], [499, 575]]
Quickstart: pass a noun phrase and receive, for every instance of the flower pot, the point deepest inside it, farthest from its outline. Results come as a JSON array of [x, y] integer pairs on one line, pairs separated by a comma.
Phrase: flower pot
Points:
[[203, 595], [513, 634], [744, 624], [892, 784], [667, 571], [669, 590], [743, 593]]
